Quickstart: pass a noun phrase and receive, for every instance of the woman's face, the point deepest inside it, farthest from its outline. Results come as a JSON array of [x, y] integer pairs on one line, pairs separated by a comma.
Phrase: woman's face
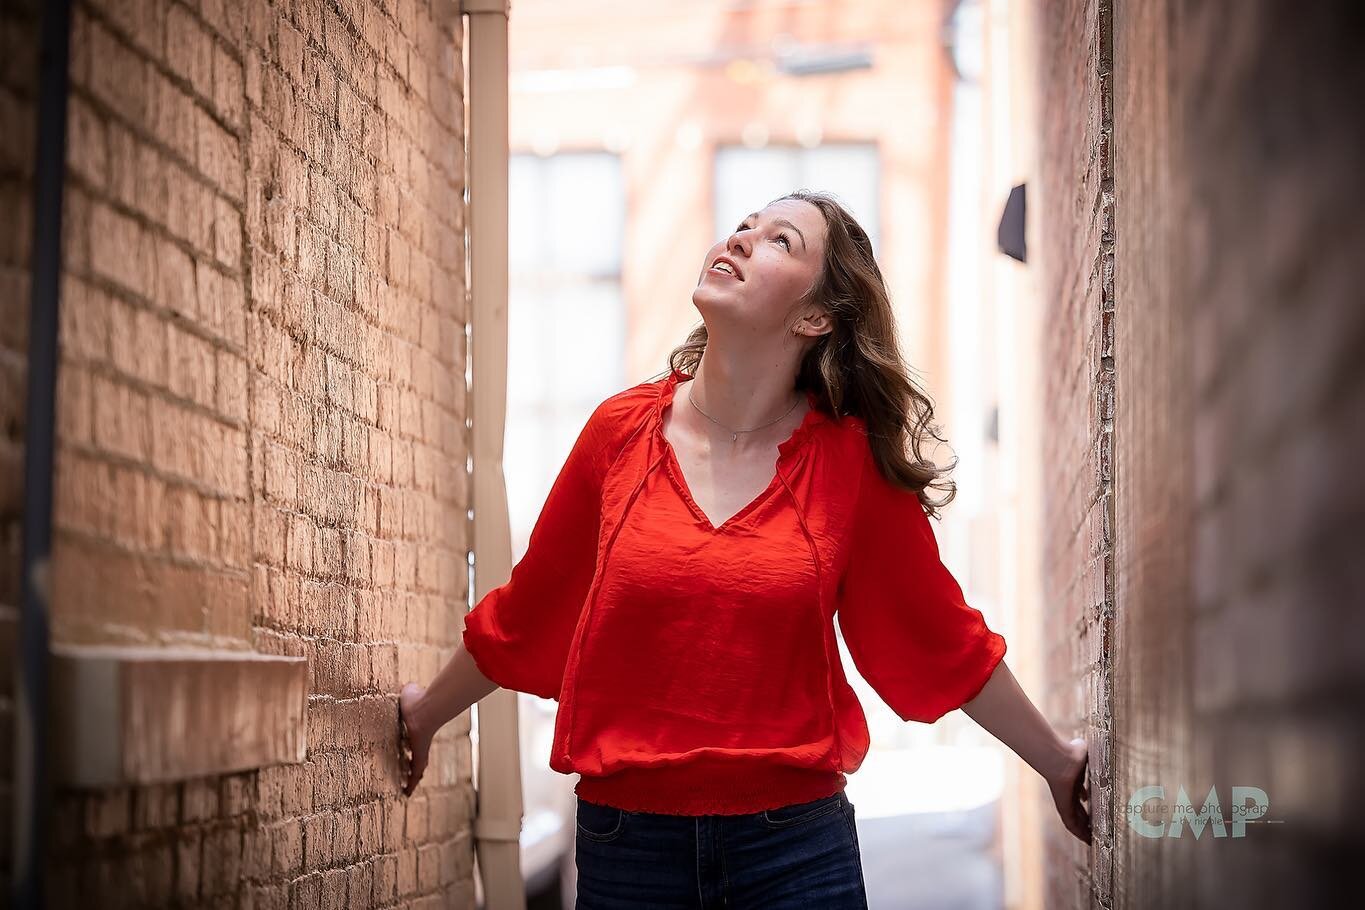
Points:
[[777, 253]]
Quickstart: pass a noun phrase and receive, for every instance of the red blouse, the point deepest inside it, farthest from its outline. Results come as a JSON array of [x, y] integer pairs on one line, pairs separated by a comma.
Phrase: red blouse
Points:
[[696, 667]]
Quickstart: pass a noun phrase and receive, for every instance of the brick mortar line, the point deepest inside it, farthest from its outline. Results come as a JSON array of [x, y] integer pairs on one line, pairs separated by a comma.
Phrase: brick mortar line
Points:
[[130, 296], [107, 370], [277, 319], [292, 633], [158, 59], [379, 163], [325, 56], [143, 133], [105, 544], [117, 459], [221, 344], [152, 226]]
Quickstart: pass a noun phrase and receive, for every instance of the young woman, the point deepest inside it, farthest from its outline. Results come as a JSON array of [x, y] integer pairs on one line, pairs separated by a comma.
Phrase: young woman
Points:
[[680, 587]]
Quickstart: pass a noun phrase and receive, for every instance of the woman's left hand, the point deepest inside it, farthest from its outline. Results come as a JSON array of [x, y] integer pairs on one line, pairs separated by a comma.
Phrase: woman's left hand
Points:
[[1071, 791]]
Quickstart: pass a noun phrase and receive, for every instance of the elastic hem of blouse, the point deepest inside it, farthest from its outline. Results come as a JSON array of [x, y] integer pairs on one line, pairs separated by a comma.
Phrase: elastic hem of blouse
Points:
[[709, 787]]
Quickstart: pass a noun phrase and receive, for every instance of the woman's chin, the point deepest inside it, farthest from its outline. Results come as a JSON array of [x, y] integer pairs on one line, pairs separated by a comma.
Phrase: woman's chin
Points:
[[710, 301]]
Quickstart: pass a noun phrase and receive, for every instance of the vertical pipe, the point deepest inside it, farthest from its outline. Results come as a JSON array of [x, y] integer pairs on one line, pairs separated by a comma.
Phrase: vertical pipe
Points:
[[497, 828], [31, 785]]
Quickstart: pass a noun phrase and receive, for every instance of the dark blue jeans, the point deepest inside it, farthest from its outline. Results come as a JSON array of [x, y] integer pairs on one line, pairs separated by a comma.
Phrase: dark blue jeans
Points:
[[804, 855]]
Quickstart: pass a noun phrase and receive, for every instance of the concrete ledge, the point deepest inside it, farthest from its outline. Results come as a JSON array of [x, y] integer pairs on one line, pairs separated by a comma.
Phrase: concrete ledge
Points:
[[144, 715]]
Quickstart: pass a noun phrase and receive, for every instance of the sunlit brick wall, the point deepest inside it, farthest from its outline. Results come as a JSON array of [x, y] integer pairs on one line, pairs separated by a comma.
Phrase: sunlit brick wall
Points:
[[261, 439]]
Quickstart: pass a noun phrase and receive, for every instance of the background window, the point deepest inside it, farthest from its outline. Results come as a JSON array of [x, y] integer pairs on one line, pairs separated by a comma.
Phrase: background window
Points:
[[566, 315], [749, 178]]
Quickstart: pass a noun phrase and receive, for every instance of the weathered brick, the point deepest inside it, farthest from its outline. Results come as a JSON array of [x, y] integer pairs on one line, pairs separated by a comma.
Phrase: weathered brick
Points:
[[287, 848], [318, 838], [192, 366], [189, 50], [155, 806], [218, 156], [108, 814], [360, 885], [231, 392], [188, 865], [124, 428], [222, 861], [345, 836], [87, 146], [122, 74], [121, 250], [385, 878], [407, 871], [306, 893], [174, 117], [227, 87], [227, 235]]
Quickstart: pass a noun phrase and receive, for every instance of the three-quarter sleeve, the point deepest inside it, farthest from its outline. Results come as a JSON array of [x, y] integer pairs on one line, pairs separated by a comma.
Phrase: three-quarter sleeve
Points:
[[519, 632], [910, 632]]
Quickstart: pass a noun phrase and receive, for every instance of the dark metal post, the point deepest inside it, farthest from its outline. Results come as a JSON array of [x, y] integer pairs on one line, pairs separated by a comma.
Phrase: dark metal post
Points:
[[32, 796]]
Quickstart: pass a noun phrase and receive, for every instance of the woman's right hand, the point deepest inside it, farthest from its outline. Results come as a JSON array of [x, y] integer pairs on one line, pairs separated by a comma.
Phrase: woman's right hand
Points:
[[414, 739], [1071, 790]]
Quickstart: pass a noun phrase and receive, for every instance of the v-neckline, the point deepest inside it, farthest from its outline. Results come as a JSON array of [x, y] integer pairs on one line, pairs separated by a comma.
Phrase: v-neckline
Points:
[[667, 395]]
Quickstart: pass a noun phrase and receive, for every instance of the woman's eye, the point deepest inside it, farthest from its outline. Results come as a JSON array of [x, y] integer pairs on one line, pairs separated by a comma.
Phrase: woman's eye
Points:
[[783, 237]]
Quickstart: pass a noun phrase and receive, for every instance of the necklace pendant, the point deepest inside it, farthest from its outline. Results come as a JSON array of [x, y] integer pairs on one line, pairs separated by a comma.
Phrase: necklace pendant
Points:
[[734, 436]]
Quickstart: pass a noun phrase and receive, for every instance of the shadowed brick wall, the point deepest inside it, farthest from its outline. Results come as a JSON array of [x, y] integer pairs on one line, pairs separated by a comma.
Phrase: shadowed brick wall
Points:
[[1242, 651], [261, 440], [1076, 256], [1201, 236]]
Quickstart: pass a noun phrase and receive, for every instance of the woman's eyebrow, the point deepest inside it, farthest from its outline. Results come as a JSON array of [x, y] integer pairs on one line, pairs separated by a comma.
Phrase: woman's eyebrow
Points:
[[781, 221]]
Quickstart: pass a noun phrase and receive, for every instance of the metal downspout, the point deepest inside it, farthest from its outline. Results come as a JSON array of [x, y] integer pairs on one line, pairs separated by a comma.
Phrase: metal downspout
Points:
[[32, 796], [499, 810]]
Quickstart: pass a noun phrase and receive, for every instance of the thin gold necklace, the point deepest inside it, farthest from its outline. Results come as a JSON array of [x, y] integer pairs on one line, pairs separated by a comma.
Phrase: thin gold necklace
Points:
[[734, 434]]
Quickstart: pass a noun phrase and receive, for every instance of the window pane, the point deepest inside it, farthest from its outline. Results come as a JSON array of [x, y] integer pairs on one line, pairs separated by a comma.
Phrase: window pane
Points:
[[525, 213], [566, 315], [851, 172], [747, 179], [585, 211]]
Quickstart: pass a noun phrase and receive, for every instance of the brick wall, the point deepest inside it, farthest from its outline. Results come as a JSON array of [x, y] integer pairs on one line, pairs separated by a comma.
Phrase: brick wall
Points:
[[1243, 651], [1156, 475], [261, 427], [1201, 239], [1076, 256]]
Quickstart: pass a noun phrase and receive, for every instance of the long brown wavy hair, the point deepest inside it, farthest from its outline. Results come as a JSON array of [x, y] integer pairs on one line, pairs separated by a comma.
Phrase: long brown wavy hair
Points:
[[857, 368]]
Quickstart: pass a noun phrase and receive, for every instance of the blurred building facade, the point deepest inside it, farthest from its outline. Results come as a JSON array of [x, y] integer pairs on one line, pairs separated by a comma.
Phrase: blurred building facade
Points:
[[643, 133]]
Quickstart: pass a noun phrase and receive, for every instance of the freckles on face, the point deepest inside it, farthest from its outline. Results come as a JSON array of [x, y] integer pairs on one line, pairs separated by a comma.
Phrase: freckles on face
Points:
[[779, 252]]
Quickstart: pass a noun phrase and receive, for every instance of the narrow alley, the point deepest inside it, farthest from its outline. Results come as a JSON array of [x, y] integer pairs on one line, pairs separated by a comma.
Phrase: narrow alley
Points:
[[307, 301]]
